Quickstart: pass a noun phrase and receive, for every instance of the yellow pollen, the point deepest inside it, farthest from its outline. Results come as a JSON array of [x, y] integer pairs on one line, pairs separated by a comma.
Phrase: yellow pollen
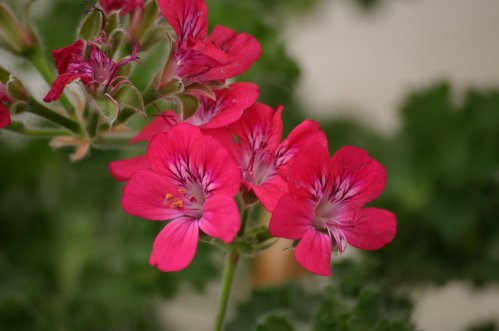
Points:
[[177, 203], [181, 190], [169, 197]]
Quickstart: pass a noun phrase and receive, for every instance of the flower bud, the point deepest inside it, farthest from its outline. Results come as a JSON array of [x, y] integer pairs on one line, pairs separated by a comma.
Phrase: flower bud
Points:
[[14, 36], [16, 89], [91, 25]]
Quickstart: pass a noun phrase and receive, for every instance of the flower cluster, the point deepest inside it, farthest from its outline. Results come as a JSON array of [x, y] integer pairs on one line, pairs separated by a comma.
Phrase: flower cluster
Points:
[[197, 162], [213, 150]]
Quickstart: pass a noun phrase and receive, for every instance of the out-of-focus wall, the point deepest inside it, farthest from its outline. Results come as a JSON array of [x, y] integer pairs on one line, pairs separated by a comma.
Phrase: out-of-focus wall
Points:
[[364, 64]]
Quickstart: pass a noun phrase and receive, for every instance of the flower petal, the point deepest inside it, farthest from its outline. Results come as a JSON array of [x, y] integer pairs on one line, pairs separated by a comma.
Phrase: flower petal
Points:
[[161, 123], [4, 116], [189, 19], [59, 84], [175, 246], [122, 170], [307, 133], [309, 173], [371, 228], [313, 252], [358, 178], [260, 127], [144, 196], [220, 218], [236, 52], [270, 192], [292, 218], [228, 107], [184, 148], [65, 55]]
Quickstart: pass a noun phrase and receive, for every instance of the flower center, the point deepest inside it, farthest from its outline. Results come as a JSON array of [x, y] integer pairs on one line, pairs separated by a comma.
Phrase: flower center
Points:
[[326, 220], [259, 167]]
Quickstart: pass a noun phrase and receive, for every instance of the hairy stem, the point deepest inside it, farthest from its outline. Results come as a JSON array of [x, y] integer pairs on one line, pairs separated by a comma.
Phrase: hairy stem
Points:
[[19, 127], [38, 109]]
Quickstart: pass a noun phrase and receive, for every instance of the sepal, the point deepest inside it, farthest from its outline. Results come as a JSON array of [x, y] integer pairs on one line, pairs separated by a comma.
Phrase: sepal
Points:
[[16, 37], [107, 107], [91, 26], [16, 89], [129, 97], [188, 105]]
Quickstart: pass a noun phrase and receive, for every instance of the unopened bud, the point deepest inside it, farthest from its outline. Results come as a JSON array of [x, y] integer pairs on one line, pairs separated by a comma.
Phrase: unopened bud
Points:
[[91, 25], [16, 89], [15, 37]]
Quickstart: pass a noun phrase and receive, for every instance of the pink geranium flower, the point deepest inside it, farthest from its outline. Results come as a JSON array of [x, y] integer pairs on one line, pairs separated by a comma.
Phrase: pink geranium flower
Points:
[[98, 73], [191, 181], [4, 111], [124, 6], [227, 107], [324, 206], [262, 157], [198, 58]]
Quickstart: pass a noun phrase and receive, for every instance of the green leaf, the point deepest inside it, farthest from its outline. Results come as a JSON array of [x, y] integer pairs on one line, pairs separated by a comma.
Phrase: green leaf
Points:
[[91, 25], [189, 105], [288, 300], [275, 323], [130, 98], [108, 107]]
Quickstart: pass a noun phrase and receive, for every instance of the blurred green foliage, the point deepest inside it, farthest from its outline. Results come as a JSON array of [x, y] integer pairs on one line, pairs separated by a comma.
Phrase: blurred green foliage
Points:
[[365, 308], [69, 257]]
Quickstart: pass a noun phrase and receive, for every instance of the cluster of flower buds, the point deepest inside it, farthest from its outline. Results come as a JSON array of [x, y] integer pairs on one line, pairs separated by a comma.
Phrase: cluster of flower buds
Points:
[[214, 152]]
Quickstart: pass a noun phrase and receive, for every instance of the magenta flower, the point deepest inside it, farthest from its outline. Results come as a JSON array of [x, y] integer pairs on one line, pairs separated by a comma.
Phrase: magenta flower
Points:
[[198, 58], [192, 181], [324, 206], [227, 107], [263, 159], [98, 73], [124, 6], [4, 111]]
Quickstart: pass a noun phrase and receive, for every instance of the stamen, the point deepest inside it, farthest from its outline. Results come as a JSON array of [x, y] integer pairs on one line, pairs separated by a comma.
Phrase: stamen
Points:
[[177, 204]]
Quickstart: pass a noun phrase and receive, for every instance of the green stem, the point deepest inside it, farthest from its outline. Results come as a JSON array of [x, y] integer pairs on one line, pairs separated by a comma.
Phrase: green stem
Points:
[[19, 127], [38, 109], [112, 142], [228, 277], [244, 219], [38, 60]]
